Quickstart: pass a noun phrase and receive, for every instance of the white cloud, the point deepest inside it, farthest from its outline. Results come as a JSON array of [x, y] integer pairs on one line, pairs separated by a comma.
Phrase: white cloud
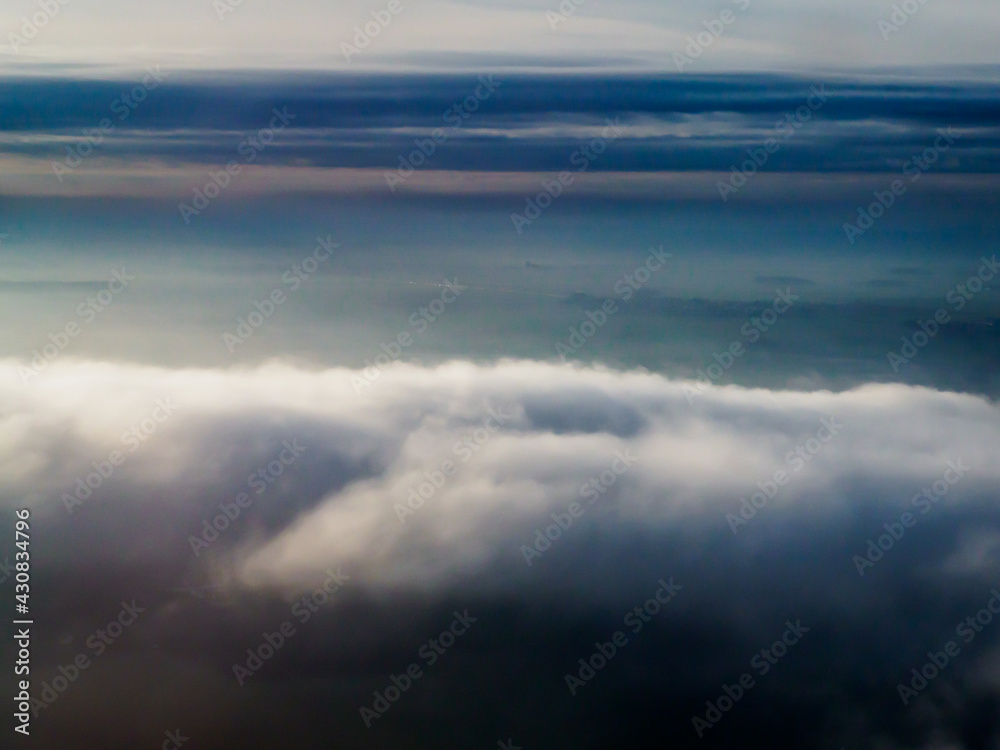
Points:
[[694, 459]]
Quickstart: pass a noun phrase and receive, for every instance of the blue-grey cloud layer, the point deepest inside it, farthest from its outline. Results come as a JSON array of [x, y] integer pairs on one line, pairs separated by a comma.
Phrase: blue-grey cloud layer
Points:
[[528, 123]]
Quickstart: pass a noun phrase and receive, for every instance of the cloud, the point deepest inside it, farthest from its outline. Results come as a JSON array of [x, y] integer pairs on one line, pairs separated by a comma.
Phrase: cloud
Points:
[[795, 280], [885, 283], [497, 456], [455, 35], [526, 123]]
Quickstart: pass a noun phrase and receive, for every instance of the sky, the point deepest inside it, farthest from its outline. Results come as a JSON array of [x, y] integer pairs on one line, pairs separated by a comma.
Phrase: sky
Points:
[[635, 34], [504, 375]]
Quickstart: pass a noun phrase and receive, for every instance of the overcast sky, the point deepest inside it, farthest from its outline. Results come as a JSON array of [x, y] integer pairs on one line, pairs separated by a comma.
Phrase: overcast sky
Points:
[[429, 34]]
